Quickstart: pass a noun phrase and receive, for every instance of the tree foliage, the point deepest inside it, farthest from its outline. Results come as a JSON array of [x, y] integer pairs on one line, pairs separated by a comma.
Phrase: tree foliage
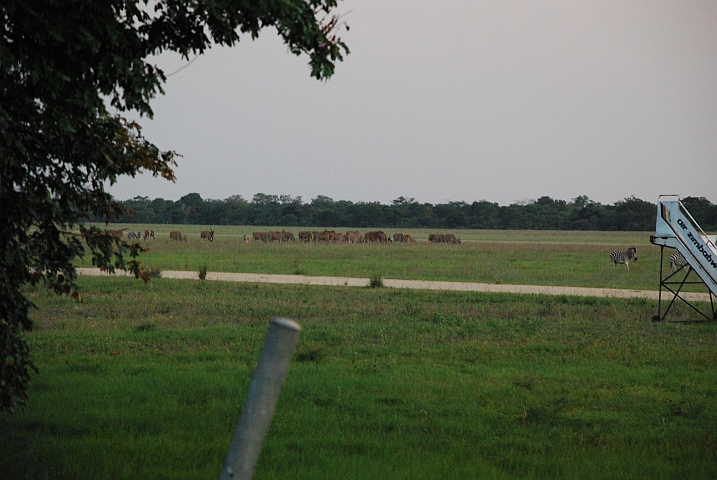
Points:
[[61, 62], [545, 213]]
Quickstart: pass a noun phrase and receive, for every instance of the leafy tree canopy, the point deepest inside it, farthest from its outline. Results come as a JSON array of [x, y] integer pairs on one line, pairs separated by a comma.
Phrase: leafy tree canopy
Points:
[[60, 62], [545, 213]]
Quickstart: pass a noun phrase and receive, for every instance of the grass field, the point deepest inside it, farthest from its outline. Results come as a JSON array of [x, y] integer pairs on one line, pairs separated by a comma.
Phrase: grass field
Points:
[[147, 381], [579, 259], [421, 235]]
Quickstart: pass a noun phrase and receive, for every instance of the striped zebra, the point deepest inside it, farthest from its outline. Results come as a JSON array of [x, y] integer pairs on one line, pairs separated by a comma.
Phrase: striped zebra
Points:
[[623, 257], [677, 261]]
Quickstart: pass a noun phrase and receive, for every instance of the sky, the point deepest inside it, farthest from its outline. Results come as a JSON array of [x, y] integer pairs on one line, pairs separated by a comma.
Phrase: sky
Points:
[[459, 100]]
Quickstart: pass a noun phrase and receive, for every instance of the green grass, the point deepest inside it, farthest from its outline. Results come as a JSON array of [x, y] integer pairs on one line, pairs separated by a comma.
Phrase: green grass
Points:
[[578, 259], [147, 381], [420, 234]]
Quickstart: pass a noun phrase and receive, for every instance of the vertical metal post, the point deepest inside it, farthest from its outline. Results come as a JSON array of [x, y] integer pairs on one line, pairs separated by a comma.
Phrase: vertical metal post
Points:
[[261, 400], [659, 295]]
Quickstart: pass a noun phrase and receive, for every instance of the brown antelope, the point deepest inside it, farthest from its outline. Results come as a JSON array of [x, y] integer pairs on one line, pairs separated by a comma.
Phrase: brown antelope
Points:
[[207, 235], [450, 238], [116, 233], [378, 237], [177, 236], [371, 237]]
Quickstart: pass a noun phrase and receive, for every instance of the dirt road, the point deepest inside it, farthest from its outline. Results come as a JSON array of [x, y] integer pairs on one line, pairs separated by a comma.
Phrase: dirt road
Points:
[[413, 284]]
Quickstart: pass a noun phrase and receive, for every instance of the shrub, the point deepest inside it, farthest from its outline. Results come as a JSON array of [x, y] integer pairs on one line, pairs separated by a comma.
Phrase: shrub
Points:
[[376, 281], [154, 272]]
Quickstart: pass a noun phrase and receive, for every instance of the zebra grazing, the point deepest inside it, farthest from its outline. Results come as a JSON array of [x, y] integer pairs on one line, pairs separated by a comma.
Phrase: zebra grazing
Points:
[[677, 261], [623, 257]]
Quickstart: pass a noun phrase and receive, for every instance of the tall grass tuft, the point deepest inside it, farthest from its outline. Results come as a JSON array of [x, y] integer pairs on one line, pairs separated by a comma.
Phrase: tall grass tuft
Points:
[[376, 281], [154, 272], [203, 272], [298, 269]]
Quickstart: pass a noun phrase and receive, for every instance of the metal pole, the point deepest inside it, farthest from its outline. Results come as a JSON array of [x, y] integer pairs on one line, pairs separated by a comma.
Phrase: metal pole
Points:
[[261, 400], [659, 295]]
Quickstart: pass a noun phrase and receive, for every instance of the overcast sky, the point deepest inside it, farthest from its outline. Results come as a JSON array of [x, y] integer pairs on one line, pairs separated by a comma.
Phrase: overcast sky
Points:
[[459, 100]]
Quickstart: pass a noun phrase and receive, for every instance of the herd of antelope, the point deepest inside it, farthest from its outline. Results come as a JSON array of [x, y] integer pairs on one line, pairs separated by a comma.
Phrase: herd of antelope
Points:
[[352, 236], [149, 234], [204, 235], [443, 238], [327, 236]]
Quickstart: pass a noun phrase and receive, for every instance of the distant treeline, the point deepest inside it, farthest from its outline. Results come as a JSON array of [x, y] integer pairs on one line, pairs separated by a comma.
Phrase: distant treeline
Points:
[[545, 213]]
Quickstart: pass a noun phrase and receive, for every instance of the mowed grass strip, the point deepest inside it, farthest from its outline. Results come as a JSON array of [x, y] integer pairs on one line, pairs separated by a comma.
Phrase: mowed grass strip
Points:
[[573, 259], [147, 382]]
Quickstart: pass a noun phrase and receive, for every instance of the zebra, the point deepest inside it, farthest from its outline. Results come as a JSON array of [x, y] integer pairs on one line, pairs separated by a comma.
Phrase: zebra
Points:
[[136, 235], [677, 260], [623, 257]]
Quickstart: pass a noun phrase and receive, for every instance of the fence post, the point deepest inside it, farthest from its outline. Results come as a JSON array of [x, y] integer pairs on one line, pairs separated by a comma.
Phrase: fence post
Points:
[[261, 400]]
